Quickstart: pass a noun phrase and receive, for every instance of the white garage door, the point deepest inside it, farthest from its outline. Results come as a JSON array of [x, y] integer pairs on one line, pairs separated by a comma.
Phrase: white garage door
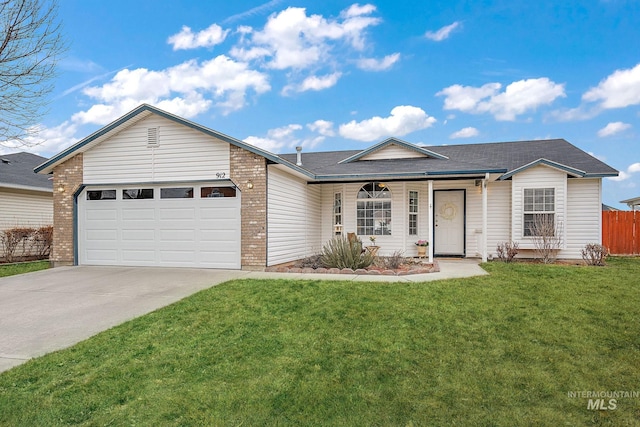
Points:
[[182, 225]]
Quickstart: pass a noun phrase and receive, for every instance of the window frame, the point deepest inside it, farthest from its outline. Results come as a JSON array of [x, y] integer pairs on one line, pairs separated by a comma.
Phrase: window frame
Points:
[[338, 215], [371, 202], [539, 204], [413, 212]]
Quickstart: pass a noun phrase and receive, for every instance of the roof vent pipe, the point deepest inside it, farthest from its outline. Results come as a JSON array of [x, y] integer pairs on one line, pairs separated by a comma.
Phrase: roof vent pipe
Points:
[[299, 158]]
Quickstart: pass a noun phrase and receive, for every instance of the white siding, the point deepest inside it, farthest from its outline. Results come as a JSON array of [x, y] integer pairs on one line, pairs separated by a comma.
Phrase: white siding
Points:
[[499, 214], [183, 154], [537, 177], [25, 209], [584, 216], [294, 217], [393, 151]]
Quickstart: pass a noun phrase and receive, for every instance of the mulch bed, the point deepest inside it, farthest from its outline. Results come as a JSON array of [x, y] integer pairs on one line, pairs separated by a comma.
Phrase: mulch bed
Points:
[[410, 266]]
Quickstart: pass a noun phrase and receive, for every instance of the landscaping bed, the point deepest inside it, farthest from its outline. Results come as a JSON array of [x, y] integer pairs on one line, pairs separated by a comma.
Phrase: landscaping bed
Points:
[[387, 266]]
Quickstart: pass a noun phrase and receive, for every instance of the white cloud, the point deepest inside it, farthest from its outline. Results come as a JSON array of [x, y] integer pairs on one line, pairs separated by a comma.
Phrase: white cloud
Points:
[[373, 64], [403, 120], [282, 138], [613, 128], [182, 89], [518, 97], [620, 89], [46, 141], [625, 175], [291, 39], [323, 127], [442, 33], [467, 132], [187, 39], [313, 83]]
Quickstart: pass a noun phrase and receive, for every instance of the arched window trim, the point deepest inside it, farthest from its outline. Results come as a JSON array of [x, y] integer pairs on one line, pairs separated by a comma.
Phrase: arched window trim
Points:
[[373, 210]]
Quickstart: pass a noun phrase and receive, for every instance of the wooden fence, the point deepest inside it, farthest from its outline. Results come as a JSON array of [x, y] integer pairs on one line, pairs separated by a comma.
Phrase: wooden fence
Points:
[[621, 232]]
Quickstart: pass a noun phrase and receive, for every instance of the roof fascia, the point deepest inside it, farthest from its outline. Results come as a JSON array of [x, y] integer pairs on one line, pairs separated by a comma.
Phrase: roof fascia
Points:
[[26, 188], [544, 162], [395, 141]]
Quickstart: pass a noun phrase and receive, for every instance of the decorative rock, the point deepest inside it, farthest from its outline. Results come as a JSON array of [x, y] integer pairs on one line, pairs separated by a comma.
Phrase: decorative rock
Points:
[[347, 271], [333, 271], [308, 270], [320, 270], [388, 273], [361, 271], [373, 273]]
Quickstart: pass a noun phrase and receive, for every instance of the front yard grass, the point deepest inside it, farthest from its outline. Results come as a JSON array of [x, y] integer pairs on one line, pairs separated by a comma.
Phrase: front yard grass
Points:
[[23, 267], [504, 349]]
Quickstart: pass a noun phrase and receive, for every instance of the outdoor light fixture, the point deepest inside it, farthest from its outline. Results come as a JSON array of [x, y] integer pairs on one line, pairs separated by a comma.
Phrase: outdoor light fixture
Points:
[[249, 184], [60, 189]]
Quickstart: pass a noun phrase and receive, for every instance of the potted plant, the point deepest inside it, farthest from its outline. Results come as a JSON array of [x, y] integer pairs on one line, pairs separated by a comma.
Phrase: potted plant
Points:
[[373, 248], [422, 247]]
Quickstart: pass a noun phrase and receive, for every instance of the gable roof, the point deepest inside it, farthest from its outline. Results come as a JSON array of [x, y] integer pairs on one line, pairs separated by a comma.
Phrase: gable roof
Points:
[[140, 113], [16, 171], [505, 158], [393, 141]]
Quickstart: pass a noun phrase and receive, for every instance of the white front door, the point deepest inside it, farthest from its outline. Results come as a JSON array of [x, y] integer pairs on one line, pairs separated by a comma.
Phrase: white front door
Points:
[[448, 218]]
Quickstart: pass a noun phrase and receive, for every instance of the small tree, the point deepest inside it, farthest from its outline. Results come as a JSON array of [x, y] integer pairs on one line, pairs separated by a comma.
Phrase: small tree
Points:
[[594, 254], [547, 237]]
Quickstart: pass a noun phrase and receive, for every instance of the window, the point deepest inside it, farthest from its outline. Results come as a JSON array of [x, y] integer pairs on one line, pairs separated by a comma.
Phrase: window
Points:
[[176, 193], [206, 192], [374, 210], [101, 195], [413, 213], [337, 214], [137, 193], [539, 209]]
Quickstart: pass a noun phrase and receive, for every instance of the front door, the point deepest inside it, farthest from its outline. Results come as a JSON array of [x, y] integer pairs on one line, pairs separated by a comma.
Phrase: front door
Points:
[[448, 218]]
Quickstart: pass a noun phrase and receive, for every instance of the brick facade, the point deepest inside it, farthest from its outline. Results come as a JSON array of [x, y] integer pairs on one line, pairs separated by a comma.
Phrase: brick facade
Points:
[[67, 177], [248, 169]]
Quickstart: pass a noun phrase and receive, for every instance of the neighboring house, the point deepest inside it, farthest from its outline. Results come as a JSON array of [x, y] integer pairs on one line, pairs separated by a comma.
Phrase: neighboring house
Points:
[[25, 197], [152, 188], [607, 208], [634, 203]]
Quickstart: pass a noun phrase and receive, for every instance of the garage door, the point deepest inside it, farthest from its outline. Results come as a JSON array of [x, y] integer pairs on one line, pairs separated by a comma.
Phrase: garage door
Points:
[[182, 225]]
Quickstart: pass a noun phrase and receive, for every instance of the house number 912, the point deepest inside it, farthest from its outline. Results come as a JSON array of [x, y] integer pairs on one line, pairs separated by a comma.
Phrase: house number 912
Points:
[[220, 175]]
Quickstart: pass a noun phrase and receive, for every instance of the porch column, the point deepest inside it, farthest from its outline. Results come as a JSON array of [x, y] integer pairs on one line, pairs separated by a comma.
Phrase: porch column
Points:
[[430, 221], [484, 218]]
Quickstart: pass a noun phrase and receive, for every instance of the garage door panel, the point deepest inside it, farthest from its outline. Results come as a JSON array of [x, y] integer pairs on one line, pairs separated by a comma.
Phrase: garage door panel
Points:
[[131, 214], [177, 213], [102, 214], [137, 235], [102, 256], [180, 232]]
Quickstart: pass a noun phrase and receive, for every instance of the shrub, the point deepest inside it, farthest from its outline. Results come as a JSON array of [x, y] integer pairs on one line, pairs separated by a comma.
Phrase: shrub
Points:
[[594, 254], [547, 237], [42, 241], [340, 252], [392, 262], [507, 251], [14, 242]]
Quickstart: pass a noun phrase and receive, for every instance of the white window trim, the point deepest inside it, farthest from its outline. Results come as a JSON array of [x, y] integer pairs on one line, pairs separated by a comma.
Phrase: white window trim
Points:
[[534, 212]]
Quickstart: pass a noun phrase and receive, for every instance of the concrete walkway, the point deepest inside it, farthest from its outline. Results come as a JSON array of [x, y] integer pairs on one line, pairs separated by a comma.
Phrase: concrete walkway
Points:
[[49, 310]]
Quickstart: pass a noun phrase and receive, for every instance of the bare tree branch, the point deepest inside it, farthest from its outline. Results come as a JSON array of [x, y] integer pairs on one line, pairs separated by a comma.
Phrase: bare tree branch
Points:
[[31, 45]]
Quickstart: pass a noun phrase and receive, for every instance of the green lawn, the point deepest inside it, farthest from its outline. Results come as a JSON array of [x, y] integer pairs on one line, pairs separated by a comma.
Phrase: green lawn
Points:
[[24, 267], [504, 349]]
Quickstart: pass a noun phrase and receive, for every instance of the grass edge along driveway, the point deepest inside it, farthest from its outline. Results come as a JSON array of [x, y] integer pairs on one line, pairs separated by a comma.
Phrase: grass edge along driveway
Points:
[[504, 349]]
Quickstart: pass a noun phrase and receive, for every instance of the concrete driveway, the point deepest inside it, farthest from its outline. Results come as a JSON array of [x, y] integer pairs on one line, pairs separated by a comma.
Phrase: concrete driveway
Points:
[[53, 309]]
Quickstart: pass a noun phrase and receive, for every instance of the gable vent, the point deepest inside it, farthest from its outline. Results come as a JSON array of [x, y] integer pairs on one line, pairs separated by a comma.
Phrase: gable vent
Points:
[[152, 137]]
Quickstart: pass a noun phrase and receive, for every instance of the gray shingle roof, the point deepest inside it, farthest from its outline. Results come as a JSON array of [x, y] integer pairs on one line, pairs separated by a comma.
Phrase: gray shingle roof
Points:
[[17, 170], [499, 157]]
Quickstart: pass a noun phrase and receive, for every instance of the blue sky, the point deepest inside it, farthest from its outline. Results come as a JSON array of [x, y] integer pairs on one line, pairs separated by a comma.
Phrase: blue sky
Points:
[[336, 75]]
